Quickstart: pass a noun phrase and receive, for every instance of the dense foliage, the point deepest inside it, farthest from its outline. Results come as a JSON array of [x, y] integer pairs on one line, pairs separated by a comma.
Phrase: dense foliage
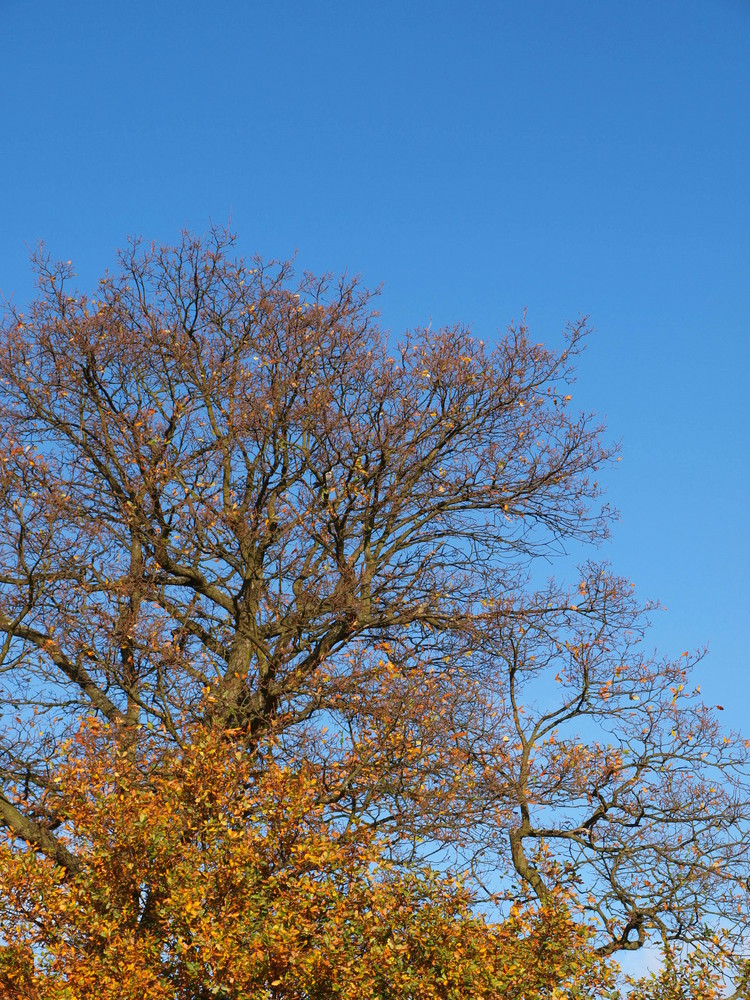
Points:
[[214, 874]]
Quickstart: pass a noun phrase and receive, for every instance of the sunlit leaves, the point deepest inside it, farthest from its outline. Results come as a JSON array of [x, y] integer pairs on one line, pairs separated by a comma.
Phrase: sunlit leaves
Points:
[[215, 873]]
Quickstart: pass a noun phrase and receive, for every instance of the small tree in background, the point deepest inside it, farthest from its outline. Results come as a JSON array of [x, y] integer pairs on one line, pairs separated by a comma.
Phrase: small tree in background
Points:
[[213, 873], [231, 511]]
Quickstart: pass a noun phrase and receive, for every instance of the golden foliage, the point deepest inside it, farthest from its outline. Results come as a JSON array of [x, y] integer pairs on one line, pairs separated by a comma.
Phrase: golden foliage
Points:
[[214, 873]]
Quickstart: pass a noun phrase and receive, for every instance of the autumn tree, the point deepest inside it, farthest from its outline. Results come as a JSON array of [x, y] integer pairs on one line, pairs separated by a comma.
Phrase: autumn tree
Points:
[[231, 504], [206, 873]]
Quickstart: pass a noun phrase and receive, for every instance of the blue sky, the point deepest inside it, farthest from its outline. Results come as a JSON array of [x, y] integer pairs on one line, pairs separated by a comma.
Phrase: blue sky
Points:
[[477, 158]]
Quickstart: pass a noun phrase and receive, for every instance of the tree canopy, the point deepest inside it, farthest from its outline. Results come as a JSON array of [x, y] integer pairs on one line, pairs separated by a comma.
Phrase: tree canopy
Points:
[[250, 544], [200, 876]]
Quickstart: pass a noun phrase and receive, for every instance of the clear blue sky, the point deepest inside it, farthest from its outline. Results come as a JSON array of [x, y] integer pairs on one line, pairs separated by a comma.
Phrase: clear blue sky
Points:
[[477, 158]]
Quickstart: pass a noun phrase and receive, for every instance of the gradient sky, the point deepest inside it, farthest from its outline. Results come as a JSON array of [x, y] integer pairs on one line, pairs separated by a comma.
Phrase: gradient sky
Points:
[[477, 158]]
